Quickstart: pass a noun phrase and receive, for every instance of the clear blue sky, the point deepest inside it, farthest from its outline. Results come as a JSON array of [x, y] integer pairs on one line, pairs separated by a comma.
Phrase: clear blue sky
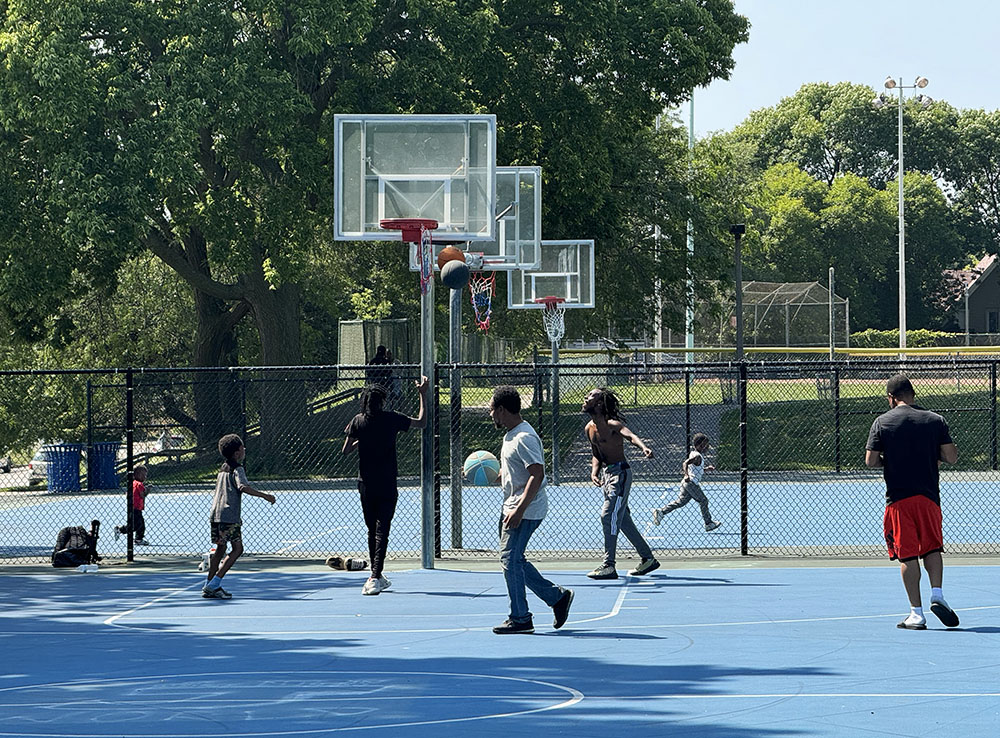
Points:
[[954, 43]]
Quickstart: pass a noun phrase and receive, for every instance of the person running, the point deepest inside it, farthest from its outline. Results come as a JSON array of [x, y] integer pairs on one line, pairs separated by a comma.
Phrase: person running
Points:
[[522, 477], [908, 443], [694, 469], [373, 433], [226, 518], [609, 470]]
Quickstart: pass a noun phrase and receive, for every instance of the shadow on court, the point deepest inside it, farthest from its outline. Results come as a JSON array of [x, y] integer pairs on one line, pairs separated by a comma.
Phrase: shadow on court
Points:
[[306, 654]]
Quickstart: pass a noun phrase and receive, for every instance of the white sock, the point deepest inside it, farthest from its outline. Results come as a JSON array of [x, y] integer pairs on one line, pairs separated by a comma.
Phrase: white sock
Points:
[[936, 595], [918, 611]]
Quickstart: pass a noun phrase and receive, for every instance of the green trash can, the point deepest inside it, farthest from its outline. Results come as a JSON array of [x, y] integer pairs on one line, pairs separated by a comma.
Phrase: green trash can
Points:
[[101, 459], [62, 466]]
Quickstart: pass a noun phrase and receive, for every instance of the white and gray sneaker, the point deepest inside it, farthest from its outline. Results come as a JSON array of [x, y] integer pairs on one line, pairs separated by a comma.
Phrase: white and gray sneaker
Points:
[[913, 622], [657, 515], [371, 587], [383, 583]]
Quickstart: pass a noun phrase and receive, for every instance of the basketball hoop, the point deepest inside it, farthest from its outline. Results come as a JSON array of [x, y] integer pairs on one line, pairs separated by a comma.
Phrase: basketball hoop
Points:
[[554, 317], [481, 290], [418, 231]]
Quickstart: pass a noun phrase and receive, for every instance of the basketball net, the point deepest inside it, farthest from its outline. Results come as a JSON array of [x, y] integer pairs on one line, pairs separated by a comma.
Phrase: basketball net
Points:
[[481, 290], [554, 317], [425, 257]]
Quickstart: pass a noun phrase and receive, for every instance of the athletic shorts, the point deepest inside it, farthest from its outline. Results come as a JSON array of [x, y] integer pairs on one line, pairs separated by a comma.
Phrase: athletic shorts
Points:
[[912, 528], [222, 532]]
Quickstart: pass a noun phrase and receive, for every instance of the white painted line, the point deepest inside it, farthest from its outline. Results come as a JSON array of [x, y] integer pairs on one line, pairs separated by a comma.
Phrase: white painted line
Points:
[[614, 610], [171, 593]]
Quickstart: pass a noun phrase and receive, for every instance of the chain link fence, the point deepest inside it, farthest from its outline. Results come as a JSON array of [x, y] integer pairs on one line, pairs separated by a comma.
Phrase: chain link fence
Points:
[[787, 443]]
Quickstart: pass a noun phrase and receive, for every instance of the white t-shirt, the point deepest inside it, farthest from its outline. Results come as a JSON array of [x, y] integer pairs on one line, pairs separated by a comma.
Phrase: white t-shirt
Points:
[[521, 448], [696, 471]]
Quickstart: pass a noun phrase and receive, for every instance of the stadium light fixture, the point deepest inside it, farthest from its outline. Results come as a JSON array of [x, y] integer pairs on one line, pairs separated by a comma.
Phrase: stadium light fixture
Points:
[[880, 102]]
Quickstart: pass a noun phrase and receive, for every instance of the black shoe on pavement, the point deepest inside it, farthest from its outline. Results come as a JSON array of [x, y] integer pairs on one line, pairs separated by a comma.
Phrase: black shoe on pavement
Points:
[[561, 609], [509, 626]]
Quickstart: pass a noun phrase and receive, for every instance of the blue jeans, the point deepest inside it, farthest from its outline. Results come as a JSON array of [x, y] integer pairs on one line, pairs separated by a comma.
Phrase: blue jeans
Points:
[[519, 573]]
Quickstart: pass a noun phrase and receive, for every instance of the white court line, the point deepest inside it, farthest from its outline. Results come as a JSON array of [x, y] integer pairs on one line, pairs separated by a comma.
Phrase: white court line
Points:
[[574, 697], [614, 610], [788, 695], [113, 618], [296, 544]]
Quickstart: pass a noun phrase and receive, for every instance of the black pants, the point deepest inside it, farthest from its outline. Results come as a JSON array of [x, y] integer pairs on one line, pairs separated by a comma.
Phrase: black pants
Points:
[[138, 525], [378, 504]]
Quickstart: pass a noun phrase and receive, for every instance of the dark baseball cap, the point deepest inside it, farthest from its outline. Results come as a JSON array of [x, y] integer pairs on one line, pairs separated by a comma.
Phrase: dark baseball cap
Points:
[[899, 386]]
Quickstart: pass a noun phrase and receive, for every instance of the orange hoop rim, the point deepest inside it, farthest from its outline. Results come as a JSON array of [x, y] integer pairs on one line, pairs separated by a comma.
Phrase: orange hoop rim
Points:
[[550, 303], [411, 227]]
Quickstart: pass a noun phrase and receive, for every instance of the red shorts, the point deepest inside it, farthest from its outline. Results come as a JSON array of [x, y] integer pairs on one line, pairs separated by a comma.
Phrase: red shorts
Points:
[[912, 528]]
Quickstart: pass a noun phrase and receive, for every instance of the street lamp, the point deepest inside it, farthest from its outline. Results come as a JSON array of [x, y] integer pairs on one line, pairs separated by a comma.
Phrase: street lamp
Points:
[[880, 102]]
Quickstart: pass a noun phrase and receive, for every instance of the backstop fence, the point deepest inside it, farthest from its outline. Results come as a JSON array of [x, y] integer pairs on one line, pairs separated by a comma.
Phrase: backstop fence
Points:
[[787, 446]]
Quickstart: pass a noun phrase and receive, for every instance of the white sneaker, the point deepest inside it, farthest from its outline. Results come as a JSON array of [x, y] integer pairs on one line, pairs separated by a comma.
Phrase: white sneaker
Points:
[[371, 587], [142, 542], [712, 526], [913, 622], [383, 584], [657, 515]]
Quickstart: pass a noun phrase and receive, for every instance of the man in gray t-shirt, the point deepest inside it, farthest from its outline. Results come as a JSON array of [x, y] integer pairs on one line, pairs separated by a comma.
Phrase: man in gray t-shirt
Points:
[[522, 476]]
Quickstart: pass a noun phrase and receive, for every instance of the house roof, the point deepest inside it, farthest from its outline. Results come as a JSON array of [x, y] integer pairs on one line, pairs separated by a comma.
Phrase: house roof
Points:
[[970, 279]]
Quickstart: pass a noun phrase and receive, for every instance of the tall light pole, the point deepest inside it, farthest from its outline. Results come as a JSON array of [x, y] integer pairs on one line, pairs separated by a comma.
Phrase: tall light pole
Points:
[[879, 102]]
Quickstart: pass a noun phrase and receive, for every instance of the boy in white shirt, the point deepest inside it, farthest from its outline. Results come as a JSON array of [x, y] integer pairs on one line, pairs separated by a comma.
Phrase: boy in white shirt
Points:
[[694, 469]]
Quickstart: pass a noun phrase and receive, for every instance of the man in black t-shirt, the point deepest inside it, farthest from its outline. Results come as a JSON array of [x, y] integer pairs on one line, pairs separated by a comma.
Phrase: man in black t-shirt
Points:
[[909, 443], [373, 433]]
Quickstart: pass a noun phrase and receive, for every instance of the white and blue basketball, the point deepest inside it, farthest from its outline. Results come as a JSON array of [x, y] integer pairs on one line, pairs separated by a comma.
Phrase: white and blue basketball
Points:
[[481, 468]]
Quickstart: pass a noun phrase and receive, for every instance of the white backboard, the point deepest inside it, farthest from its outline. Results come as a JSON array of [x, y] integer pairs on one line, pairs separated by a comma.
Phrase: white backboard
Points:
[[519, 225], [566, 271], [415, 166]]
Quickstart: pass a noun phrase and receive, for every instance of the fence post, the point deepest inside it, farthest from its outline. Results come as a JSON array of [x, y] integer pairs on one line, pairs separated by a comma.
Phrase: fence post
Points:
[[455, 438], [436, 400], [993, 415], [129, 463], [687, 412], [554, 397], [836, 416], [744, 464]]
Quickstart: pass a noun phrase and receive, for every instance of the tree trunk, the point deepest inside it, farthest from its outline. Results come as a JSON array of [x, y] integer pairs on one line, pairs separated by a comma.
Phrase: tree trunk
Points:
[[282, 396], [217, 397]]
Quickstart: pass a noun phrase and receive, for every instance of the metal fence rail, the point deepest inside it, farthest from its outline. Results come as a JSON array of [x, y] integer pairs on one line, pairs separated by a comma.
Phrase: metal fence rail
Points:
[[787, 443]]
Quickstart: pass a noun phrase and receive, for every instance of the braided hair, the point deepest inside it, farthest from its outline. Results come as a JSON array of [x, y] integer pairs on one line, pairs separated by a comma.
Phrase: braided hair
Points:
[[607, 401]]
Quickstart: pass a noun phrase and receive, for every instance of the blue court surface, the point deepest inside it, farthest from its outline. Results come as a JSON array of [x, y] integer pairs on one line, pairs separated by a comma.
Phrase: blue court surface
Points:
[[723, 650]]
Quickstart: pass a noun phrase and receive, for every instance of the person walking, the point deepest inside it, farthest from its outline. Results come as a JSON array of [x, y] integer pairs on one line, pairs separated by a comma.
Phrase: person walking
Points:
[[525, 503], [610, 471], [908, 443]]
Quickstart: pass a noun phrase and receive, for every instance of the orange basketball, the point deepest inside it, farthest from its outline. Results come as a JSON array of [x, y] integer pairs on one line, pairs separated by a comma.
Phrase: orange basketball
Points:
[[449, 253]]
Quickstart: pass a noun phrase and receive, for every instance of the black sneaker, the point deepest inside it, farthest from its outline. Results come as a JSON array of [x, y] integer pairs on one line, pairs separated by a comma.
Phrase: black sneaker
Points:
[[509, 626], [645, 566], [215, 594], [561, 609]]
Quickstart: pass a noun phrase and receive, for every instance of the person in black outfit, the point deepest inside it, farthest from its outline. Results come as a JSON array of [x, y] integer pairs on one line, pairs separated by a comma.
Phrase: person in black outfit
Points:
[[373, 432], [380, 376], [909, 443]]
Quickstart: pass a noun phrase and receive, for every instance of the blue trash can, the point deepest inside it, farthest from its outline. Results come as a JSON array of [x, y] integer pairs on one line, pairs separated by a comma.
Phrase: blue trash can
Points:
[[62, 466], [101, 460]]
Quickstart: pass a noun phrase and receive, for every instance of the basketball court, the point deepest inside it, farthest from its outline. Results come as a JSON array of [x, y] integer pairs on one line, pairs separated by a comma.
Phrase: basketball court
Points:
[[719, 650]]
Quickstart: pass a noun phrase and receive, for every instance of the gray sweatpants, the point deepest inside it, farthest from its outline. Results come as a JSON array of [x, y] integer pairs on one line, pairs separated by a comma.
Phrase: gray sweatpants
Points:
[[615, 515], [690, 491]]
